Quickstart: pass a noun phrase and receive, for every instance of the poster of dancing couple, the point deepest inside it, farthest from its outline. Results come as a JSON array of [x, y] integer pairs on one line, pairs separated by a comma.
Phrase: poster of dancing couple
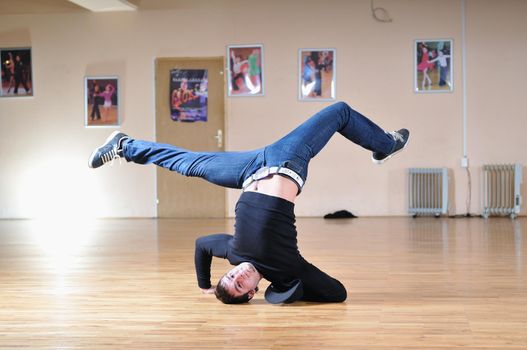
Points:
[[317, 74], [245, 70], [433, 65], [101, 102], [17, 75]]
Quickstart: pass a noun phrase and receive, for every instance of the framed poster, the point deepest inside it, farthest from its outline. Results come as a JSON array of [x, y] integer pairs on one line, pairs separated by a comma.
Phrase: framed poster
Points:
[[245, 70], [433, 65], [317, 73], [101, 101], [188, 95], [17, 72]]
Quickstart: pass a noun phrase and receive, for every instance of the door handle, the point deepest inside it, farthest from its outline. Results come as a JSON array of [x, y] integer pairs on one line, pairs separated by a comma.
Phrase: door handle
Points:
[[219, 138]]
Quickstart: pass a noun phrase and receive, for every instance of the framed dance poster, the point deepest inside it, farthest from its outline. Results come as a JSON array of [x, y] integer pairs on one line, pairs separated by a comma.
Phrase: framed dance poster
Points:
[[317, 73], [433, 65], [17, 72], [245, 70], [101, 101], [188, 95]]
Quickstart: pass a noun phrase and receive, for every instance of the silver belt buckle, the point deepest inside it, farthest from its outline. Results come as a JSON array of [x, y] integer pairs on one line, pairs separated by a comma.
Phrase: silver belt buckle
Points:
[[261, 173]]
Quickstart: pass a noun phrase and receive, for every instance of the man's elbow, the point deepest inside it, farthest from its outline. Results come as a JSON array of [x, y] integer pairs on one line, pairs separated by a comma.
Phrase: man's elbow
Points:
[[341, 297], [340, 294], [200, 241]]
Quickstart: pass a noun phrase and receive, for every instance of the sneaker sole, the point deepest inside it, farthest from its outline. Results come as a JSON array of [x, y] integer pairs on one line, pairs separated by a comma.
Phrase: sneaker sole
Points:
[[375, 161], [94, 153]]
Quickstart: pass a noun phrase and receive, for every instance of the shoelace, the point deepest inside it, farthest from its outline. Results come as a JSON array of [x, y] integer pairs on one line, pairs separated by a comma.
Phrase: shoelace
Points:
[[111, 156], [396, 136]]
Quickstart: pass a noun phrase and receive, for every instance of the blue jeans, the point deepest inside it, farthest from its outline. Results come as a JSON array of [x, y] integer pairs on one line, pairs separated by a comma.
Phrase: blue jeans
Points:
[[294, 151]]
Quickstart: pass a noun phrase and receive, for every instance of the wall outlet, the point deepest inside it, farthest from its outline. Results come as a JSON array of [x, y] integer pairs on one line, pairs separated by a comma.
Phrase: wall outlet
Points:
[[464, 162]]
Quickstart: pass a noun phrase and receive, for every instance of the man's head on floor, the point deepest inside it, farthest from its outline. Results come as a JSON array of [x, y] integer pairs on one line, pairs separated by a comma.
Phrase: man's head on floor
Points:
[[239, 284]]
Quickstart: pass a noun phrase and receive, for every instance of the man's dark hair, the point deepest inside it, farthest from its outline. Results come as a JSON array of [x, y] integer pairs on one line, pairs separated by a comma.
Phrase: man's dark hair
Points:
[[225, 297]]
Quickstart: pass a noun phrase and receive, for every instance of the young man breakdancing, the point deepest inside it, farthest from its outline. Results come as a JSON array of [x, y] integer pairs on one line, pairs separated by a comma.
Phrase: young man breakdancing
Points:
[[264, 244]]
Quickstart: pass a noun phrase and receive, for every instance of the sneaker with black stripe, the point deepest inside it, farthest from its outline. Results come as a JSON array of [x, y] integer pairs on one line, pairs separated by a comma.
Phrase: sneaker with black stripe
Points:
[[401, 141], [110, 150]]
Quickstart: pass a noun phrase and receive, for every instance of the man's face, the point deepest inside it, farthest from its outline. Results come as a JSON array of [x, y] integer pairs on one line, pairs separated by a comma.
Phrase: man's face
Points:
[[241, 280]]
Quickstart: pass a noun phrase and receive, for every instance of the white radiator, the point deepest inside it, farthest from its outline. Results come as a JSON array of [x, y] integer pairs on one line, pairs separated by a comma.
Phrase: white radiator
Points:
[[427, 191], [501, 189]]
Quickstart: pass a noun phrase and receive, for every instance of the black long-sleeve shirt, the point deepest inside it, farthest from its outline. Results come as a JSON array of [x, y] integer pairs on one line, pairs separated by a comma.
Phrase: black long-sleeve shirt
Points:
[[265, 235]]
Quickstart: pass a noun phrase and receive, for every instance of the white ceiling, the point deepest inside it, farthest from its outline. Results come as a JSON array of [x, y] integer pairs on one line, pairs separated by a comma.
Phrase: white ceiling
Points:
[[105, 5], [21, 7]]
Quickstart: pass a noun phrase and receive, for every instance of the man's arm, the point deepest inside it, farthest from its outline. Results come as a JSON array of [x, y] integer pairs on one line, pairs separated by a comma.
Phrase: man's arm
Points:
[[207, 247], [320, 287]]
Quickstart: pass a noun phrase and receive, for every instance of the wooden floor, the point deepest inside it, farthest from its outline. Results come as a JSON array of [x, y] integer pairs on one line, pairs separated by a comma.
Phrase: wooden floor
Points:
[[129, 284]]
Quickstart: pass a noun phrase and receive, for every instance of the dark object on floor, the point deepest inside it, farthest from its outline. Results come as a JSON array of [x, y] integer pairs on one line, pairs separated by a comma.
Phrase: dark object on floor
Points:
[[341, 214]]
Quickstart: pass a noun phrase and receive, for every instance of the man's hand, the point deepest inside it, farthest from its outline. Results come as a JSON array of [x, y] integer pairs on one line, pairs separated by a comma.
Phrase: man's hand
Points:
[[208, 291]]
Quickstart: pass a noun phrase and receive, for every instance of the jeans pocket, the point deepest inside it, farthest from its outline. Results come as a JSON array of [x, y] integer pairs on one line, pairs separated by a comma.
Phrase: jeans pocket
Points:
[[293, 165]]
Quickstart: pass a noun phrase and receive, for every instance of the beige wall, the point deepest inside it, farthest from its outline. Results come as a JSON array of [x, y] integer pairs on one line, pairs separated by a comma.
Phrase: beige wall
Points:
[[44, 146]]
